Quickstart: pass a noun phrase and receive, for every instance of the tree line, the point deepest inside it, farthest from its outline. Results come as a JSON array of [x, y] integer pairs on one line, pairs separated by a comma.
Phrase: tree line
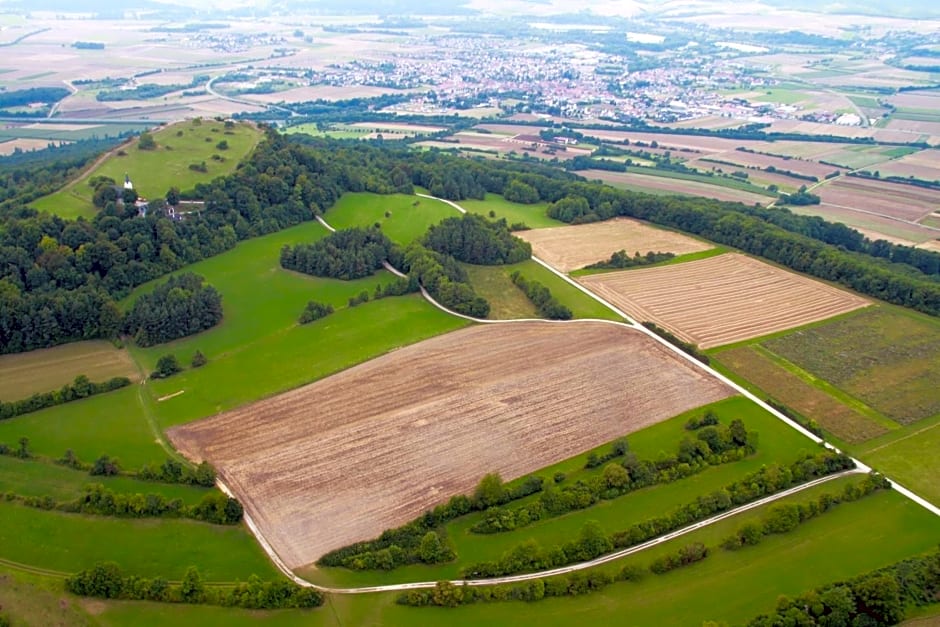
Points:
[[106, 580], [621, 260], [444, 280], [446, 594], [80, 388], [712, 446], [408, 544], [215, 507], [530, 557], [540, 296]]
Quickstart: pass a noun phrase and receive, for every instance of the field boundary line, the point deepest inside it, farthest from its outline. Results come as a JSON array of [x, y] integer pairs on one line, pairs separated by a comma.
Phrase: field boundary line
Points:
[[901, 439]]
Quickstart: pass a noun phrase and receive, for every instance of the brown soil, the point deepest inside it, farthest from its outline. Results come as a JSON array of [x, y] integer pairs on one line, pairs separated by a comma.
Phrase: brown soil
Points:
[[344, 458], [723, 299], [568, 248]]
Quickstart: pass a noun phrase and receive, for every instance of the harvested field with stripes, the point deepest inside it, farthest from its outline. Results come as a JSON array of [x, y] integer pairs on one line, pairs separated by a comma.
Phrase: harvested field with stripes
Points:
[[568, 248], [893, 200], [721, 300], [344, 458]]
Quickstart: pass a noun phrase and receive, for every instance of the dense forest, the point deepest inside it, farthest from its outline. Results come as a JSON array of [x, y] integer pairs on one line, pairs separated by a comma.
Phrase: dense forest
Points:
[[347, 254], [59, 279], [182, 306], [474, 239]]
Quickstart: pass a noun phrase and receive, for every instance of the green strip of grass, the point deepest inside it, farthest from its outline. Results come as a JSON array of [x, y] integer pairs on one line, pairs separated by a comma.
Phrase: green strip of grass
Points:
[[149, 548], [533, 216], [720, 181], [33, 478], [580, 304], [507, 302], [702, 254], [828, 388]]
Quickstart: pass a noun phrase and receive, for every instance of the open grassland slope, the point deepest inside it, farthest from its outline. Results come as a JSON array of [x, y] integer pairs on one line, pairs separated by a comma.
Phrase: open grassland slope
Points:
[[47, 369], [569, 248], [402, 218], [723, 299], [344, 458], [155, 171]]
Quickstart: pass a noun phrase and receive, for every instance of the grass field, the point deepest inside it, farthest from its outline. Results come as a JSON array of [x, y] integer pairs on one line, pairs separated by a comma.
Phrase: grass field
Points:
[[887, 357], [409, 216], [910, 457], [109, 424], [532, 216], [778, 442], [259, 349], [164, 547], [844, 417], [153, 172], [727, 587], [507, 302], [47, 369], [32, 478]]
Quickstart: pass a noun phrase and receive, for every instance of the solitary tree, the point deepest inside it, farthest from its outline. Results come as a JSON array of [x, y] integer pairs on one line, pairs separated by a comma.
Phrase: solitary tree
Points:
[[166, 366], [146, 142]]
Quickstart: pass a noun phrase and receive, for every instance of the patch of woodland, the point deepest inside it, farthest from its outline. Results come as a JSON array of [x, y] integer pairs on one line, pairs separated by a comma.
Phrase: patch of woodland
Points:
[[347, 254], [472, 238], [183, 306]]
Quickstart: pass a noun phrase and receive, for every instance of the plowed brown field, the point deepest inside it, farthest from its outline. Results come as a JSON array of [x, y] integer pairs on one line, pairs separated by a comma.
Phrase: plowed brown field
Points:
[[344, 458], [568, 248], [723, 299]]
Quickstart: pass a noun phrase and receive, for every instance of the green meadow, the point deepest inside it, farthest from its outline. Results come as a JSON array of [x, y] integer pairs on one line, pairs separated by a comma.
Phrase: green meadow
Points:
[[153, 172], [149, 547], [532, 216], [401, 217]]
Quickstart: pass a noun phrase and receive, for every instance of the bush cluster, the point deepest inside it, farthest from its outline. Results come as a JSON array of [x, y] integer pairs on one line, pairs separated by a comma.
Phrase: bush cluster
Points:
[[621, 260], [713, 446], [529, 556], [315, 311], [107, 581], [687, 555], [80, 388], [172, 471], [876, 598], [540, 296]]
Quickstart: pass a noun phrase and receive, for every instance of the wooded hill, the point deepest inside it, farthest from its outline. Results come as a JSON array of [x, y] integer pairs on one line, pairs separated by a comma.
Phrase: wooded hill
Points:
[[59, 279]]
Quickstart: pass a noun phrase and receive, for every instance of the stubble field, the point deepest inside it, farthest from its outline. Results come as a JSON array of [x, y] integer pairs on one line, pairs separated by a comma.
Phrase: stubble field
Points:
[[569, 248], [418, 425], [47, 369], [722, 300]]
